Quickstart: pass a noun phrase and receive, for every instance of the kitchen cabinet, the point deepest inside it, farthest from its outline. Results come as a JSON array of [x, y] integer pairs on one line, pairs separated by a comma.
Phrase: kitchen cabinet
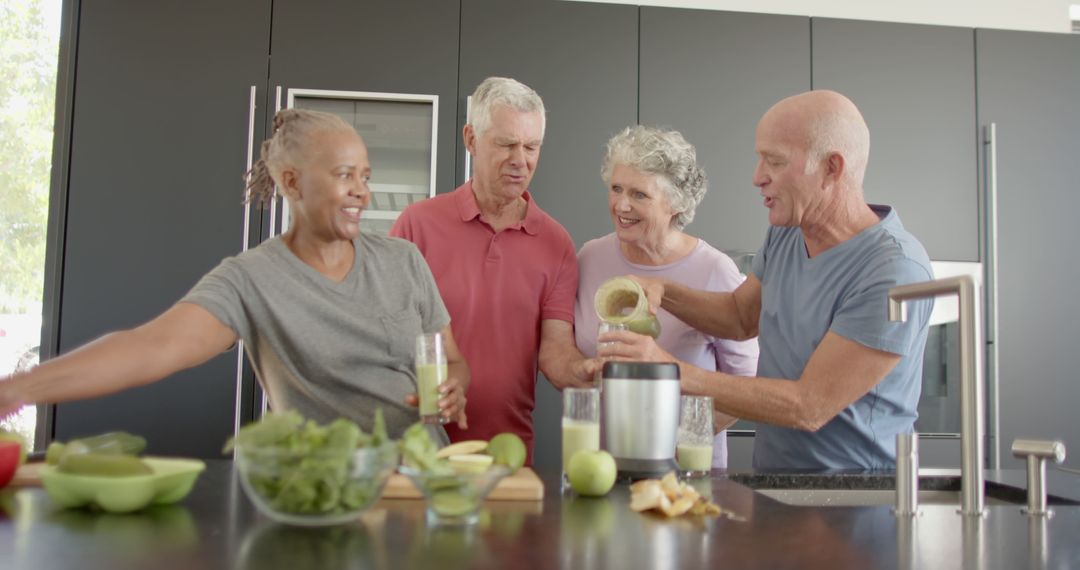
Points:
[[914, 86], [1029, 88], [381, 46], [582, 59], [159, 128], [159, 133], [712, 75]]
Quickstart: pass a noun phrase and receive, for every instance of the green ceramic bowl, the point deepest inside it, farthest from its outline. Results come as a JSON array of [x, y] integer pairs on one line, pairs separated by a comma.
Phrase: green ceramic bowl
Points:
[[171, 481]]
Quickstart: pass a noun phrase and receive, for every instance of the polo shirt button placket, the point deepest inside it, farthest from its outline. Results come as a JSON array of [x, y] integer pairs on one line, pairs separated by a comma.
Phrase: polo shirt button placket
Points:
[[493, 249]]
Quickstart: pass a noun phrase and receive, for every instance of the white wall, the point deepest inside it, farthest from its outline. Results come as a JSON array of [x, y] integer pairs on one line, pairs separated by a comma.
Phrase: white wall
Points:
[[1031, 15]]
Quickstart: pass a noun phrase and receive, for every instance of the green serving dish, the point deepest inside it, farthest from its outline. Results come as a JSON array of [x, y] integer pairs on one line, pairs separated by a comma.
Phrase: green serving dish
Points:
[[171, 480]]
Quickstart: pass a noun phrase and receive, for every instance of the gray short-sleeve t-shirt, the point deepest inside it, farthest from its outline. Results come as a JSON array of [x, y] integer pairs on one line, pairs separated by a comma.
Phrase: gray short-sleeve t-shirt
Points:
[[328, 349], [843, 290]]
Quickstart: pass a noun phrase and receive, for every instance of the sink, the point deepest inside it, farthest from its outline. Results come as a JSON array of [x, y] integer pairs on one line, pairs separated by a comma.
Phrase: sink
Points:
[[855, 489], [863, 497]]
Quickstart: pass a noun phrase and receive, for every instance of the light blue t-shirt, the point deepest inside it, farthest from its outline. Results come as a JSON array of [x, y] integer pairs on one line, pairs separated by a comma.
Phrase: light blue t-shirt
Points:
[[843, 290]]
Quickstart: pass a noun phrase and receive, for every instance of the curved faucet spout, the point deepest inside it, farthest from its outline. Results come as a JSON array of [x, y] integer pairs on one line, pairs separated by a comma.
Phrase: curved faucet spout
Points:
[[972, 388]]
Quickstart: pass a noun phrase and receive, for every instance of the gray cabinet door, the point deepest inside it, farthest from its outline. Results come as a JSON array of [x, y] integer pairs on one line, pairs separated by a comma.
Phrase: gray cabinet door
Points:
[[1029, 87], [385, 46], [158, 147], [582, 59], [914, 86], [712, 75]]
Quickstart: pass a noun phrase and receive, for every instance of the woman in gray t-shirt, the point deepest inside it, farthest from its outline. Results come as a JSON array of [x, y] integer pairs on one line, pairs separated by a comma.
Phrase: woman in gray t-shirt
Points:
[[328, 315]]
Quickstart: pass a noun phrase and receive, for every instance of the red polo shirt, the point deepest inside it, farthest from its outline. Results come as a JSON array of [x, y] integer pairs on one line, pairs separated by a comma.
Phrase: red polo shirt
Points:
[[497, 287]]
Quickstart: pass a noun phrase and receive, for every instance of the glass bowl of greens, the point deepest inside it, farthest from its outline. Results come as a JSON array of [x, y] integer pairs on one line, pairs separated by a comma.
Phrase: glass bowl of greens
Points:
[[298, 472]]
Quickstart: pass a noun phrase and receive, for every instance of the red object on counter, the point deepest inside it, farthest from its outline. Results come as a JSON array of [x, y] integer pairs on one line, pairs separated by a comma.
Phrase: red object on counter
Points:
[[9, 461]]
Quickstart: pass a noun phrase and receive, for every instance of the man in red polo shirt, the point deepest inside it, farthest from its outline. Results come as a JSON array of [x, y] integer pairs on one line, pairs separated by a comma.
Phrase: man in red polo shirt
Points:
[[506, 270]]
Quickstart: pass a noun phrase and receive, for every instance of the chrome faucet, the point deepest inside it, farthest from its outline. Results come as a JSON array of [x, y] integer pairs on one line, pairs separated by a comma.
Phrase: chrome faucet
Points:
[[972, 398]]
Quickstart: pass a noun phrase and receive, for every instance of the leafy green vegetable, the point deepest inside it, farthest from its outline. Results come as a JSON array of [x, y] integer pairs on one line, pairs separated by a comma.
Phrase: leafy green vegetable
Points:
[[300, 467], [418, 451]]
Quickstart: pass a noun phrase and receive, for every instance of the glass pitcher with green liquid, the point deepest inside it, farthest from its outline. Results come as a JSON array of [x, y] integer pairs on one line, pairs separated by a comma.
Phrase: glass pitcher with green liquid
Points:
[[622, 300]]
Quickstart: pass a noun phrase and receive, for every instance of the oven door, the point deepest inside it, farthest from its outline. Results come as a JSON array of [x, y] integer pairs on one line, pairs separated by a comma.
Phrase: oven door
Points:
[[939, 407]]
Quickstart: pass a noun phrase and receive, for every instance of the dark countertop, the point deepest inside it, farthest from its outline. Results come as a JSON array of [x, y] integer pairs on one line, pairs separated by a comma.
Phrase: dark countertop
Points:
[[217, 527]]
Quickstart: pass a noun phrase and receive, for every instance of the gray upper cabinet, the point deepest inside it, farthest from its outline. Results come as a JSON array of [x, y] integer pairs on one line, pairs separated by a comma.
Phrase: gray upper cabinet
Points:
[[159, 137], [582, 59], [381, 46], [712, 75], [1029, 87], [914, 84]]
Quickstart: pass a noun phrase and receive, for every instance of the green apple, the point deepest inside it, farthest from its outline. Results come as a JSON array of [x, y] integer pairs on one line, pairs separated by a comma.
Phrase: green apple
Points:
[[591, 473], [13, 436], [507, 449]]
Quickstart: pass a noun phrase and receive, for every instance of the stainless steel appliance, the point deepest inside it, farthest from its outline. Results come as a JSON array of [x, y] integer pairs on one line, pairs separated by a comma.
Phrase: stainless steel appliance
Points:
[[640, 402]]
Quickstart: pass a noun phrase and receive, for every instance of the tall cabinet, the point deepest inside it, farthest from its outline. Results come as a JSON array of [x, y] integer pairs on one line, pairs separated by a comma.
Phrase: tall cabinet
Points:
[[914, 86], [159, 137], [582, 59], [1029, 89], [383, 46], [712, 75]]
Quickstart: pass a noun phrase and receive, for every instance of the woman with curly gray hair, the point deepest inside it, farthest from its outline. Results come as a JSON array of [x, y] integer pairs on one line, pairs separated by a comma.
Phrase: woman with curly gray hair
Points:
[[654, 185]]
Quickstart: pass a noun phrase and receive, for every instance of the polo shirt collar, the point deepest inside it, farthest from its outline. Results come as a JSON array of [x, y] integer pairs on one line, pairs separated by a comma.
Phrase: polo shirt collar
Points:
[[469, 210]]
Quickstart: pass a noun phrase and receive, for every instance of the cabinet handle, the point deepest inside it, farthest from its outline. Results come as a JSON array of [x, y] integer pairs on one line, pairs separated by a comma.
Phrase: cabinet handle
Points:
[[264, 403], [991, 279], [246, 243], [250, 157], [274, 198], [468, 157]]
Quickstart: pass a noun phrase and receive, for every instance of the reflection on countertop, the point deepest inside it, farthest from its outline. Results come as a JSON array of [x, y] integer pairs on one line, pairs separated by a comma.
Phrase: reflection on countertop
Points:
[[216, 527]]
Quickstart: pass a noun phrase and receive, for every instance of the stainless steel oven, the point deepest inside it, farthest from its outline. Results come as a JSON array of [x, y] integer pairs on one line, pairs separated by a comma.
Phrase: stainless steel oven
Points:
[[939, 406]]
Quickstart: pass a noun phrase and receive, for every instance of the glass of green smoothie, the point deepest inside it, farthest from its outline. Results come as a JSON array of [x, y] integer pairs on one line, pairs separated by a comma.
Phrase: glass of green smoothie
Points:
[[694, 443], [431, 371], [580, 423]]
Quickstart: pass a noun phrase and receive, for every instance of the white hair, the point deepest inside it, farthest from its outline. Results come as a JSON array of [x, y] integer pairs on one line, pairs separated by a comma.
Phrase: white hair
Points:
[[495, 91], [667, 156]]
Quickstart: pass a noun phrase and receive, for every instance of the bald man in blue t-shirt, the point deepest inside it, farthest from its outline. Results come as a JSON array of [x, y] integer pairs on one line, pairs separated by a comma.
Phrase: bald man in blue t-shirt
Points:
[[836, 379]]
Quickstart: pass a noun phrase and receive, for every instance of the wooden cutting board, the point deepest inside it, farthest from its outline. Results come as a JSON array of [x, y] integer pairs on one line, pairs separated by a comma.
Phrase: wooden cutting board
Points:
[[521, 486], [28, 475]]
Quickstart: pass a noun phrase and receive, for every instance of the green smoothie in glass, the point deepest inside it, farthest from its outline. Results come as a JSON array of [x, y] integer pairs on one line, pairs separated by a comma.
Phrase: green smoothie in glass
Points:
[[428, 378], [431, 370], [578, 435], [694, 457]]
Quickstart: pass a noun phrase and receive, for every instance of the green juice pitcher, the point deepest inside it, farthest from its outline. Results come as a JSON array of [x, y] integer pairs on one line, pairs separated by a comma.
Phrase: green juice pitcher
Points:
[[622, 300]]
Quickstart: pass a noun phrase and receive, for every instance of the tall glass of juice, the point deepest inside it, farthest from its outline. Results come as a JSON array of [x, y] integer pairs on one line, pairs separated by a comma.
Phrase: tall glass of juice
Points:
[[694, 444], [431, 371], [580, 423]]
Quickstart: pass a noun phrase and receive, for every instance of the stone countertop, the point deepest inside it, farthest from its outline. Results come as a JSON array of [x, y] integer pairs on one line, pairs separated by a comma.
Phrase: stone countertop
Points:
[[217, 527]]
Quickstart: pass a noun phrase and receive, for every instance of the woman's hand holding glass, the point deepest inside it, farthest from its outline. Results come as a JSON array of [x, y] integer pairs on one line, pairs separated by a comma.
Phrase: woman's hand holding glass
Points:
[[442, 379], [626, 345]]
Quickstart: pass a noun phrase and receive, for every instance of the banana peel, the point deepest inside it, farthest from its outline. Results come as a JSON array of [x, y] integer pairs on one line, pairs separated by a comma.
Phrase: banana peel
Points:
[[470, 447], [671, 497]]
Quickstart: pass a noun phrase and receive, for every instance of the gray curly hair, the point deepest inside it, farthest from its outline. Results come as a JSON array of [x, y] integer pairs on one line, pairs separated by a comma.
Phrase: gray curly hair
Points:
[[512, 93], [293, 129], [667, 155]]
